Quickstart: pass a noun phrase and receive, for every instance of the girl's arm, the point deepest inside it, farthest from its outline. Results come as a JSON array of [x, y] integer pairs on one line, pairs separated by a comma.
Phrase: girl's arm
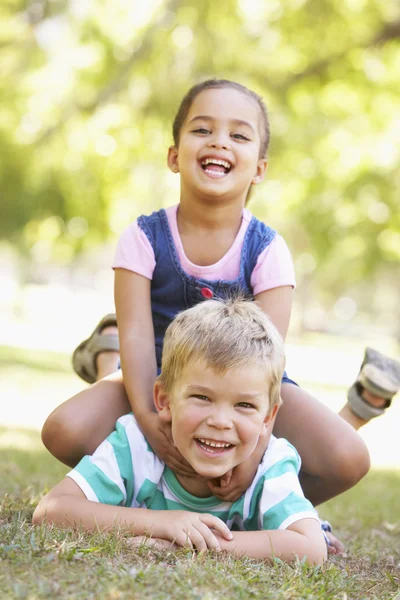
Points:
[[303, 538], [277, 304], [139, 366], [67, 506], [136, 334]]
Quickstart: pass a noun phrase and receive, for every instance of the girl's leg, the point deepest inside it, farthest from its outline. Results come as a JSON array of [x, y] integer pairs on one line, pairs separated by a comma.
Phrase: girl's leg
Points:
[[354, 420], [334, 457], [80, 424]]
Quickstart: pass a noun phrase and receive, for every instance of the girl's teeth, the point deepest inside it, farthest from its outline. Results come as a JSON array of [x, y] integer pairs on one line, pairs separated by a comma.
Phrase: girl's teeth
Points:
[[215, 161]]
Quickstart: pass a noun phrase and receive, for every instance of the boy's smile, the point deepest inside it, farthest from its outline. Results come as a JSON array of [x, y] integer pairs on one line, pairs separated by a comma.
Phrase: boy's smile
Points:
[[216, 418]]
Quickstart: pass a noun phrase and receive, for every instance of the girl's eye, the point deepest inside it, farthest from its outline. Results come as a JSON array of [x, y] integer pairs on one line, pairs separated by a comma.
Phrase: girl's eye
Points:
[[240, 136], [200, 397], [245, 405], [201, 130]]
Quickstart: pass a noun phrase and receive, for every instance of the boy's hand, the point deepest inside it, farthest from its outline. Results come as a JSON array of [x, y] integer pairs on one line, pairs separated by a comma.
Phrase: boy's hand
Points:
[[193, 530], [158, 434], [154, 542], [235, 482]]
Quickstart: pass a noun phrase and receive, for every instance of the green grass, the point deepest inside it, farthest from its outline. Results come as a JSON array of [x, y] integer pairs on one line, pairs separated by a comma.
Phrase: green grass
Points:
[[46, 562]]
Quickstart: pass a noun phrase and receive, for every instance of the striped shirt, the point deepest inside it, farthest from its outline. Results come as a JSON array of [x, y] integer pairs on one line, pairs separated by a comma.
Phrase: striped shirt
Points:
[[125, 471]]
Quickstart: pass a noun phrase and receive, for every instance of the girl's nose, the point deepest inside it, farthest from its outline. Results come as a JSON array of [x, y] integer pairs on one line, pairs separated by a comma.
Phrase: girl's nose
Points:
[[220, 140]]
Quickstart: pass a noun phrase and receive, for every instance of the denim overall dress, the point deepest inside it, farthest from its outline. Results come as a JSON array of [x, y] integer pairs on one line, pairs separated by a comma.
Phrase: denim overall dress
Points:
[[173, 290]]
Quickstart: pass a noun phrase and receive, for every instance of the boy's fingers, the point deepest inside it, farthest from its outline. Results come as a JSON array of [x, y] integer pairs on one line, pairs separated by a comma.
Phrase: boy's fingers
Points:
[[183, 539], [216, 523], [209, 539], [198, 539]]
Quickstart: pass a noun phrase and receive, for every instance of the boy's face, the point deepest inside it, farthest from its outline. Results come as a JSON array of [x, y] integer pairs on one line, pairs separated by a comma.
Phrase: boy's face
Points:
[[216, 418]]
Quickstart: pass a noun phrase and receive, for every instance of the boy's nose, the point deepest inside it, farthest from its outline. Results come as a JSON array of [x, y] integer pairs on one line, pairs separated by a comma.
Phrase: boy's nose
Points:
[[220, 418]]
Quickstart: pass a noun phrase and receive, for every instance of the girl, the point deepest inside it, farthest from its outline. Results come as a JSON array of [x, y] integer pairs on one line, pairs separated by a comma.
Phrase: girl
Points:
[[208, 246]]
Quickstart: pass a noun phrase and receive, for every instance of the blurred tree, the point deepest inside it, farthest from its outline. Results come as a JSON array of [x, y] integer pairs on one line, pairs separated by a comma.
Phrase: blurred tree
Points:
[[89, 89]]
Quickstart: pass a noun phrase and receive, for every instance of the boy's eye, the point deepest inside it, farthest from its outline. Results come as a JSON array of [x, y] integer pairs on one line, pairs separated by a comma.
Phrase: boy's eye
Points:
[[245, 405]]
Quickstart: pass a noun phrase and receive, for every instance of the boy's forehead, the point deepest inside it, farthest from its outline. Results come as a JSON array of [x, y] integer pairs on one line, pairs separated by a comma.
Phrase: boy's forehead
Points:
[[248, 379]]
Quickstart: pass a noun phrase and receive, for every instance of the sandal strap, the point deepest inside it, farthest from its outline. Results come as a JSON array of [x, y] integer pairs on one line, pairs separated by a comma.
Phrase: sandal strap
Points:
[[364, 410], [102, 343], [84, 356], [379, 375]]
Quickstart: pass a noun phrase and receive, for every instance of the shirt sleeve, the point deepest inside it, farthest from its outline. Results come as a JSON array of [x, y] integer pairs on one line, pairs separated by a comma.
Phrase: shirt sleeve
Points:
[[274, 267], [134, 252], [107, 475], [282, 501]]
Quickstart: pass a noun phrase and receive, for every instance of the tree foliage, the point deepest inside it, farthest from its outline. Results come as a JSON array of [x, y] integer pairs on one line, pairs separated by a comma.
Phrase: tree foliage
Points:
[[89, 89]]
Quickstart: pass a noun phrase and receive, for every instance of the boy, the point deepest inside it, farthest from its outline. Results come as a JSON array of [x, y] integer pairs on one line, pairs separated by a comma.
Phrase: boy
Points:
[[219, 388]]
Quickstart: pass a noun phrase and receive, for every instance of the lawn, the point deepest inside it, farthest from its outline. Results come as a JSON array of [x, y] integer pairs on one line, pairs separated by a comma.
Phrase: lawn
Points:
[[45, 562]]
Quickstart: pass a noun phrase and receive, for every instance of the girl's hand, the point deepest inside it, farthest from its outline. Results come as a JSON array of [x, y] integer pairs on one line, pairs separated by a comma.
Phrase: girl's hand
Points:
[[235, 482], [158, 434], [192, 530]]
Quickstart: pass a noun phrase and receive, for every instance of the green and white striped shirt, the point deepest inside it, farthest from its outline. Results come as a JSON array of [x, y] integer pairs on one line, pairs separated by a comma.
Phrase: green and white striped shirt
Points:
[[125, 471]]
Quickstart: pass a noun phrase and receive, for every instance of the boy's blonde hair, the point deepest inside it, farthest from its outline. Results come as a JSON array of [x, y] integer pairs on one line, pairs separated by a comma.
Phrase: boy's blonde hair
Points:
[[226, 334]]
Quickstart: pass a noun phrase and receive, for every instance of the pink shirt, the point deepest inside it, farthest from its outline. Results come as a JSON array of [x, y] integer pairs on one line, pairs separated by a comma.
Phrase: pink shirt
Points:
[[274, 266]]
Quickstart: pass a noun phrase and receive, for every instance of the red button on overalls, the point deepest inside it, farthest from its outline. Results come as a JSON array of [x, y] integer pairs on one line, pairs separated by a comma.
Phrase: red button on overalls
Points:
[[206, 292]]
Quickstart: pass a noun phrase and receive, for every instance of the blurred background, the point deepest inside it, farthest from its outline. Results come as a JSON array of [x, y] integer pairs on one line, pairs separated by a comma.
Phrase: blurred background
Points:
[[88, 91]]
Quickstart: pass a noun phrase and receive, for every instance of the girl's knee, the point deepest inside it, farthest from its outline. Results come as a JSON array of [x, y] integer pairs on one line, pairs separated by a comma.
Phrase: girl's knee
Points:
[[63, 438], [349, 460]]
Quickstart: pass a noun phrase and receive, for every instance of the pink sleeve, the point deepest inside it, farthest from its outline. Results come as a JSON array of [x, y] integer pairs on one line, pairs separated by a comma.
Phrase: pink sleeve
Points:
[[274, 268], [134, 252]]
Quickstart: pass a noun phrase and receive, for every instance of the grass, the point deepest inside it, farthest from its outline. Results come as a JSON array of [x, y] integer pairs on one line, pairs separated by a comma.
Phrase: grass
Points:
[[46, 562]]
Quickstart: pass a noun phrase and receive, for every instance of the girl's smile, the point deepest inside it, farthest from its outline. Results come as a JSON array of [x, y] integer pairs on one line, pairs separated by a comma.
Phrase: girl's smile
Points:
[[219, 146]]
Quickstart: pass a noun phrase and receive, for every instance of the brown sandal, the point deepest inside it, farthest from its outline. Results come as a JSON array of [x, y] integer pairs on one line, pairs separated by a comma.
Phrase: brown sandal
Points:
[[84, 356]]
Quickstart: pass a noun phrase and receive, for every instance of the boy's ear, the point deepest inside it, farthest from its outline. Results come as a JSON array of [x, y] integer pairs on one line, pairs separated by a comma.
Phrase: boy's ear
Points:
[[172, 159], [261, 170], [161, 401], [268, 419]]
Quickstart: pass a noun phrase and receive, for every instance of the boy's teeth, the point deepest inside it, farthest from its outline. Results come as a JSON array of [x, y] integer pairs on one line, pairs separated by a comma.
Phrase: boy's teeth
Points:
[[215, 444]]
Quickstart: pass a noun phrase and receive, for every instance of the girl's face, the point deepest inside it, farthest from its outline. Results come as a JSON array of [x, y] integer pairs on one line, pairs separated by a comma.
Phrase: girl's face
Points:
[[219, 147]]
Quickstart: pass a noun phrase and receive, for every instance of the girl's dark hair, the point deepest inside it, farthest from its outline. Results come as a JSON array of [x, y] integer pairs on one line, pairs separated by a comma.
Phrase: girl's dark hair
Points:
[[218, 84]]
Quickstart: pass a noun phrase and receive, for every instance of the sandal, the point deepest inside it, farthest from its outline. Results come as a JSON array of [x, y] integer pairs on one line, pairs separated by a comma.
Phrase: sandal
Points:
[[84, 356], [380, 375], [334, 545]]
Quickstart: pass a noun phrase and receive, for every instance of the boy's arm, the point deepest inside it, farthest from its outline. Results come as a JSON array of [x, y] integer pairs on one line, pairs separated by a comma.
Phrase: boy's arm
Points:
[[303, 538], [67, 506]]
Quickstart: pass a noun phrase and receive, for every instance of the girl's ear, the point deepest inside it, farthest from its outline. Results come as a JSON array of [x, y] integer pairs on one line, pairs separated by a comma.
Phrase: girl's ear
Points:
[[261, 170], [270, 418], [173, 159], [161, 401]]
